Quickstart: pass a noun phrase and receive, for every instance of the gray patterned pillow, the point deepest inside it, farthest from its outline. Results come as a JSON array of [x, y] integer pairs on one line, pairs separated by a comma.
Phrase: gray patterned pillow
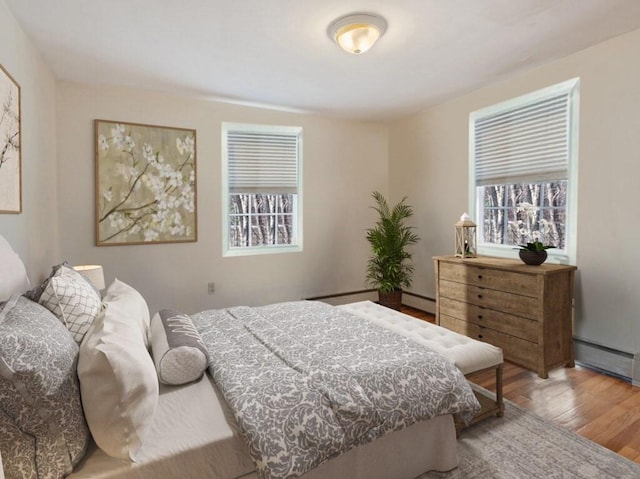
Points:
[[72, 299], [179, 353], [39, 392], [35, 293], [17, 450]]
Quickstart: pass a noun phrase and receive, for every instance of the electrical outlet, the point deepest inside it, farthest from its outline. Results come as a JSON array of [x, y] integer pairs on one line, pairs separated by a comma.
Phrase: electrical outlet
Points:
[[211, 288]]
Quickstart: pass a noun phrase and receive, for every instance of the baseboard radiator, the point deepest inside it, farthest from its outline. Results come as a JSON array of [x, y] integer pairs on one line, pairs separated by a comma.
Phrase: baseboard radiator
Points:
[[608, 360]]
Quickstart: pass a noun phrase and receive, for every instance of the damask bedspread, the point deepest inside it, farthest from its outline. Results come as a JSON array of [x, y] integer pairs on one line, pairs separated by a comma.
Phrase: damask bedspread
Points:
[[308, 381]]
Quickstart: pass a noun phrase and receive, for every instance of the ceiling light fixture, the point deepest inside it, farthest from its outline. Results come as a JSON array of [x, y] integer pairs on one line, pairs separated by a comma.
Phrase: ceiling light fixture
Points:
[[358, 32]]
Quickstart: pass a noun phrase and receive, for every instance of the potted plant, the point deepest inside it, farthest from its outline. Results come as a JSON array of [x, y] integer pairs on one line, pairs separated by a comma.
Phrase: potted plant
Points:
[[389, 268], [533, 253]]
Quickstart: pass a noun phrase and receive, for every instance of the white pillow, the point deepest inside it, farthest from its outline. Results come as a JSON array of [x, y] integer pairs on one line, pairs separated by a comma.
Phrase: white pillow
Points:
[[117, 377], [13, 279], [178, 351], [72, 299]]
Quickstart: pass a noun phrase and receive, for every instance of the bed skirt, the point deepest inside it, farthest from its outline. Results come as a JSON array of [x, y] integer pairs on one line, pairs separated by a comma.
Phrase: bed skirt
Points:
[[203, 441]]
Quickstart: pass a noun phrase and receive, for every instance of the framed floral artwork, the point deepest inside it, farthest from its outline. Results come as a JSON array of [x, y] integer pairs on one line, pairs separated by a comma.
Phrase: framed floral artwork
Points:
[[10, 149], [145, 184]]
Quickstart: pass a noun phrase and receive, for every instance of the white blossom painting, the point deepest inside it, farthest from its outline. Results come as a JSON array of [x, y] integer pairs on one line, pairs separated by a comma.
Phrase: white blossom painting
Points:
[[10, 157], [145, 184]]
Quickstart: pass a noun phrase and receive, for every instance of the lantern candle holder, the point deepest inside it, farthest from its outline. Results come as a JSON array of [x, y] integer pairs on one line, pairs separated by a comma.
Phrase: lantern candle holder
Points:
[[466, 238]]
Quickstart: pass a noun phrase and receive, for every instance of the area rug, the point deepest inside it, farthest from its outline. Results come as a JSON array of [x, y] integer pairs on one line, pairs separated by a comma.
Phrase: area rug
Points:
[[522, 445]]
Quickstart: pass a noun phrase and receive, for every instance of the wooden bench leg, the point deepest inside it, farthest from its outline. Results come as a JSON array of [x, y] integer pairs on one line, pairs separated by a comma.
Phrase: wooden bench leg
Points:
[[488, 407], [499, 397]]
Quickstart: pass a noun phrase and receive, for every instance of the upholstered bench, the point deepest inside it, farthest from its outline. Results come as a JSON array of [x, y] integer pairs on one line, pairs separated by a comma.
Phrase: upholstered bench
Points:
[[469, 355]]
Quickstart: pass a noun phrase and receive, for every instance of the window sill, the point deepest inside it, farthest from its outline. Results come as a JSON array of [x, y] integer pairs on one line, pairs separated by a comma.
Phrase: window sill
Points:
[[502, 251], [261, 250]]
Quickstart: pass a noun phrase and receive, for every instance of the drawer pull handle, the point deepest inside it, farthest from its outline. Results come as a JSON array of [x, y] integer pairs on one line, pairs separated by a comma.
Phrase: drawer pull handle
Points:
[[479, 296], [479, 316], [479, 276], [480, 336]]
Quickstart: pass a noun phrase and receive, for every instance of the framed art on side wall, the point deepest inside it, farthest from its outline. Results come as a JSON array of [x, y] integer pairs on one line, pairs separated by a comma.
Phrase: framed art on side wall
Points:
[[10, 145], [145, 184]]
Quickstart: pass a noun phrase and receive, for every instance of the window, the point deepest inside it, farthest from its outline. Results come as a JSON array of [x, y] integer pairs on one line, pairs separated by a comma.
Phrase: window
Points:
[[261, 188], [523, 171]]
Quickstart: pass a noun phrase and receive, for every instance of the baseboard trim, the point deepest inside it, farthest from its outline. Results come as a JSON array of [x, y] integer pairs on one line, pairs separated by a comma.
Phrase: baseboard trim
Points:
[[338, 295], [608, 360], [418, 301], [347, 297], [414, 300]]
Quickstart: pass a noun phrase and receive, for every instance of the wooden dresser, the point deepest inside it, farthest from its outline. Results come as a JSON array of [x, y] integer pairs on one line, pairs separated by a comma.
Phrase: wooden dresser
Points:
[[525, 310]]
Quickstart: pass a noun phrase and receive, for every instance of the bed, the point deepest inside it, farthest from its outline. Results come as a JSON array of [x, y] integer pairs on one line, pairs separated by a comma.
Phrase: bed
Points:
[[208, 427]]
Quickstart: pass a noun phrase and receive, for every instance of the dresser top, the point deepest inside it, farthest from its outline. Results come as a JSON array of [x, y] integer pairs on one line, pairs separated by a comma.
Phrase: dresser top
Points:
[[508, 264]]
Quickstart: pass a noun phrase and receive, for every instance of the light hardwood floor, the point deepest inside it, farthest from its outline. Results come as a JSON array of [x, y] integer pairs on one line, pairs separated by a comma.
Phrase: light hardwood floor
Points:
[[601, 408]]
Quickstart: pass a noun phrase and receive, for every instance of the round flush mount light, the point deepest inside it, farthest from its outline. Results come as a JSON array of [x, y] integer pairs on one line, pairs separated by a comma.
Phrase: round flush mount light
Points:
[[358, 32]]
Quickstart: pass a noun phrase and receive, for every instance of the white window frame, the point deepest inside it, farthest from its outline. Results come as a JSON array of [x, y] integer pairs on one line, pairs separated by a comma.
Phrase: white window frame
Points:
[[572, 87], [297, 211]]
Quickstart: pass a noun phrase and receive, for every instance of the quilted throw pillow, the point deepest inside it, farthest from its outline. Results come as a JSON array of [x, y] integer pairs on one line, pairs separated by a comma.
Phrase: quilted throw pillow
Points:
[[72, 299], [179, 353], [43, 433]]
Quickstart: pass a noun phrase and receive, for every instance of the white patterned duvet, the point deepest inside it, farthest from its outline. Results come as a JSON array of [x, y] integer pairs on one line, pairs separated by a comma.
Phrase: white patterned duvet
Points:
[[307, 381]]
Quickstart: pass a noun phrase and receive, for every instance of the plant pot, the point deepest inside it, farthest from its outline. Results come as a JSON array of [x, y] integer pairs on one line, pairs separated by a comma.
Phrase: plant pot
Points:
[[533, 258], [391, 300]]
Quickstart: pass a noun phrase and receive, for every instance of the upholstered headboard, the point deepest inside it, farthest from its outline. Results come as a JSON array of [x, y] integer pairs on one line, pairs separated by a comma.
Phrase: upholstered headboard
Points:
[[14, 279]]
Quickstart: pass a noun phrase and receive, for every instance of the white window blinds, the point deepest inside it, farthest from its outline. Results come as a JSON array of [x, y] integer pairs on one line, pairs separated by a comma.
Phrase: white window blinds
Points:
[[263, 161], [526, 143]]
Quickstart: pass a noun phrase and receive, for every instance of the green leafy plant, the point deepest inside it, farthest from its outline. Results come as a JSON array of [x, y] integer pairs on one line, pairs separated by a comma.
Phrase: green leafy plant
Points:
[[534, 246], [389, 268]]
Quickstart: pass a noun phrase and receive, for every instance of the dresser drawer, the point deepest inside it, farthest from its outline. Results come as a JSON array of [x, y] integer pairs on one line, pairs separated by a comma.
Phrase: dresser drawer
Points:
[[514, 349], [517, 326], [488, 298], [459, 326], [512, 282]]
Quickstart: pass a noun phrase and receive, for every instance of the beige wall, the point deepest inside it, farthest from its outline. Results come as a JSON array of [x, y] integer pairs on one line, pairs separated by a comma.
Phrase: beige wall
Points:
[[342, 163], [33, 234], [428, 156]]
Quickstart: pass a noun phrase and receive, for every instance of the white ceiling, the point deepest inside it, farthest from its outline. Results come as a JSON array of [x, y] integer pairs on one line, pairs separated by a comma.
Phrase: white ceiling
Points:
[[277, 52]]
